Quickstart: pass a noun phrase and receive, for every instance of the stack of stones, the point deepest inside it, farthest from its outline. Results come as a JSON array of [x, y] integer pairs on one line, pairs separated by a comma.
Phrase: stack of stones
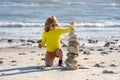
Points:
[[73, 51]]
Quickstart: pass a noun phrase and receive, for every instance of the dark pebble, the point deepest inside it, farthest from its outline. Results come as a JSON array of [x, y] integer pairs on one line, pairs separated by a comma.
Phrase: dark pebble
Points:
[[102, 63], [32, 52], [22, 53], [116, 49], [80, 50], [13, 61], [22, 40], [97, 65], [38, 55], [92, 49], [108, 72], [42, 54], [110, 51], [2, 74], [116, 40], [100, 50], [92, 41], [111, 48], [1, 62], [9, 40], [32, 41], [39, 41], [86, 52], [1, 58], [85, 58], [113, 65], [28, 44], [43, 59], [107, 44], [103, 53]]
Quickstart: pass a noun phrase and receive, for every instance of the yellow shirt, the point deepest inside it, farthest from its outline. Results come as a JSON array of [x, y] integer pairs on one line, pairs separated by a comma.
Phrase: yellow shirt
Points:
[[52, 38]]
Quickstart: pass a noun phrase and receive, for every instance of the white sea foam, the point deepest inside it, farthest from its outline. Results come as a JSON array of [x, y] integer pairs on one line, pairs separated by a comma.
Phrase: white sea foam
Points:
[[57, 3], [81, 24]]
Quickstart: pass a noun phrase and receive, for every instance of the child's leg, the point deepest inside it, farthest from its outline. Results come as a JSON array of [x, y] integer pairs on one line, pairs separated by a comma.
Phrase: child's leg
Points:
[[59, 53], [49, 57]]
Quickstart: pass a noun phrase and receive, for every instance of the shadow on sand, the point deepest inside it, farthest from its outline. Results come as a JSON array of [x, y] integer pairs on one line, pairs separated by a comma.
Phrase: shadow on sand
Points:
[[23, 70]]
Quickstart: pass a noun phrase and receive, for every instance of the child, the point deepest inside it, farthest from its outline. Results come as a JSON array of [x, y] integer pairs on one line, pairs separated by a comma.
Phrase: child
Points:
[[51, 37]]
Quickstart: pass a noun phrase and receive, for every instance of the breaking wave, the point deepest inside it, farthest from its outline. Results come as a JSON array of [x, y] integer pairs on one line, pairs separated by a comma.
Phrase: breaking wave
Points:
[[58, 3], [82, 24]]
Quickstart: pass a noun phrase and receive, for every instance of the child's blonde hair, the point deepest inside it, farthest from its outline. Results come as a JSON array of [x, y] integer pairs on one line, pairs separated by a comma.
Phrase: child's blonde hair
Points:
[[49, 21]]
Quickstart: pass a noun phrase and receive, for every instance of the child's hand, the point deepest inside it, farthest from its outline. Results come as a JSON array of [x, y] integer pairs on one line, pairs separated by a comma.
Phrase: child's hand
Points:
[[40, 46], [72, 24]]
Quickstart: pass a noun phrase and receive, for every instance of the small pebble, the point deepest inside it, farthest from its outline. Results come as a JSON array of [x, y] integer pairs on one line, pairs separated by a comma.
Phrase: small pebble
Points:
[[100, 50], [103, 53], [42, 54], [108, 72], [113, 65], [97, 65], [1, 62], [32, 52], [22, 53], [38, 55], [1, 58], [85, 58], [43, 59], [13, 61], [2, 74], [86, 52]]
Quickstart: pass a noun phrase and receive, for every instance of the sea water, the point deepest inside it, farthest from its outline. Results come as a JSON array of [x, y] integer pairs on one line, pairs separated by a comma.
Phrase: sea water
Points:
[[24, 19]]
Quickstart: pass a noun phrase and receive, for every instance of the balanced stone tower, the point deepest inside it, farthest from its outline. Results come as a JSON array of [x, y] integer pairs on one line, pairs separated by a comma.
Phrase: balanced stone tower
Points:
[[73, 51]]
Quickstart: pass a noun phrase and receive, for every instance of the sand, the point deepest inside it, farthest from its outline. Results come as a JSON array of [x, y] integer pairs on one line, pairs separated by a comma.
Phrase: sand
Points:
[[96, 63]]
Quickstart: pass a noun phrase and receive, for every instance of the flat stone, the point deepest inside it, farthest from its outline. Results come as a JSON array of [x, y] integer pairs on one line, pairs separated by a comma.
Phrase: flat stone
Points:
[[113, 65], [73, 43], [72, 55], [72, 49], [72, 35], [108, 72], [103, 53], [86, 52], [1, 62], [69, 40], [97, 65], [71, 64]]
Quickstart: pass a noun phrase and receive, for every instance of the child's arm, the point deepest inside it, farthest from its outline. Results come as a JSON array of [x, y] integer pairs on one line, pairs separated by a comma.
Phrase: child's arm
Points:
[[43, 42], [64, 31]]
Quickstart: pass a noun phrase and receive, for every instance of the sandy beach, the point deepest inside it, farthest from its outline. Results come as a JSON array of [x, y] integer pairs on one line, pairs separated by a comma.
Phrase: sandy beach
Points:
[[96, 63]]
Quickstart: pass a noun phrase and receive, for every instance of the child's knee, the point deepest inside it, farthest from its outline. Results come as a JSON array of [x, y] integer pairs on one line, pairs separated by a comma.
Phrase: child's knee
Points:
[[59, 51]]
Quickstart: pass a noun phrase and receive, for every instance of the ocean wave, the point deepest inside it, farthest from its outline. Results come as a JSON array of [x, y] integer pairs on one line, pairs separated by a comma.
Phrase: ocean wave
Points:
[[80, 24], [58, 3], [20, 24]]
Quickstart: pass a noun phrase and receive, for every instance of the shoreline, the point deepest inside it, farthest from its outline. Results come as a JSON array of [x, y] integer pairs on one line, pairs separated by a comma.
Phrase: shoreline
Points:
[[86, 41]]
